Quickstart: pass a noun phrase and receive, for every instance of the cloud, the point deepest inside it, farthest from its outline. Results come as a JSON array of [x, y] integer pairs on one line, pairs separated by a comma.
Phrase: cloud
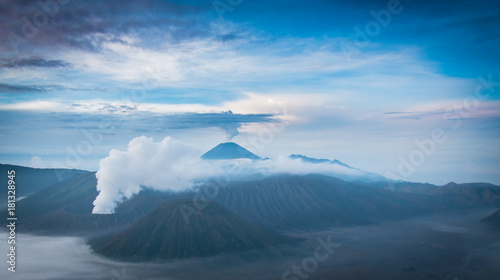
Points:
[[6, 88], [469, 108], [75, 24], [235, 61], [229, 122], [34, 62], [251, 61], [172, 165], [37, 162], [146, 116], [229, 37], [56, 258]]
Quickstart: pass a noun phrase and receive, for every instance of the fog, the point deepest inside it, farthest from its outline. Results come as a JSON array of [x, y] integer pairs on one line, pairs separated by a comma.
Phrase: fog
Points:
[[446, 246], [40, 257], [63, 258]]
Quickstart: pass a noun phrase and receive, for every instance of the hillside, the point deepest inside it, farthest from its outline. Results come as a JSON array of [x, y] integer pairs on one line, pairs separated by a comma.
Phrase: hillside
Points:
[[66, 208], [493, 219], [30, 180], [316, 201], [165, 234], [468, 194]]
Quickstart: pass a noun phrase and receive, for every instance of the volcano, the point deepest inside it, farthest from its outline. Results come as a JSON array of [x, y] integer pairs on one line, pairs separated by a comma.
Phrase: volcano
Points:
[[229, 150], [176, 229]]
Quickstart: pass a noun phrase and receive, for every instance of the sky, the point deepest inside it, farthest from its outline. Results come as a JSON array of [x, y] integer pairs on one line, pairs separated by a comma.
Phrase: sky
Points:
[[406, 89]]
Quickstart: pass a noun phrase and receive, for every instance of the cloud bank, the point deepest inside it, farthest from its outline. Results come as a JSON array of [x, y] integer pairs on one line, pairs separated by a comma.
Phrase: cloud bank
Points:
[[172, 165]]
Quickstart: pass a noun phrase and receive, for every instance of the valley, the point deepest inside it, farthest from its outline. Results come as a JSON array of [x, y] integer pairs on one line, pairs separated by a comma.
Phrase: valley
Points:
[[446, 246]]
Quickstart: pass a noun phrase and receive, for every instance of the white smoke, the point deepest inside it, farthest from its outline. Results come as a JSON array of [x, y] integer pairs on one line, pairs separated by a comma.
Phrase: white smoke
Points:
[[165, 165], [172, 165]]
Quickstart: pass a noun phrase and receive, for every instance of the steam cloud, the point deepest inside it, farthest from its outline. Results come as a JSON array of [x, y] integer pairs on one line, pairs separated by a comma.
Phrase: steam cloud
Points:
[[231, 130], [172, 165], [165, 165]]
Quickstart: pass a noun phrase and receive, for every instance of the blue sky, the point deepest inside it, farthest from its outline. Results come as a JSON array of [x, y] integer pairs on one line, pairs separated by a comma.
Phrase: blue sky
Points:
[[360, 81]]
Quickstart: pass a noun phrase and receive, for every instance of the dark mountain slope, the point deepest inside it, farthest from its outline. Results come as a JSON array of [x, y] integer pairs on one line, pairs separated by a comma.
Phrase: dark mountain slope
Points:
[[73, 193], [30, 180], [66, 208], [402, 186], [462, 196], [292, 201], [493, 219], [165, 234]]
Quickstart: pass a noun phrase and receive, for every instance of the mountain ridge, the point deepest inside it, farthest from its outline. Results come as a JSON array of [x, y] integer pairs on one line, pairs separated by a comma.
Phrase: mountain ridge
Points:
[[33, 180], [316, 160], [363, 176]]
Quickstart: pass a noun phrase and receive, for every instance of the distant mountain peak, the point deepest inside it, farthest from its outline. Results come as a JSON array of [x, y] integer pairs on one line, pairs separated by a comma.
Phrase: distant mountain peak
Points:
[[362, 175], [229, 150], [315, 160]]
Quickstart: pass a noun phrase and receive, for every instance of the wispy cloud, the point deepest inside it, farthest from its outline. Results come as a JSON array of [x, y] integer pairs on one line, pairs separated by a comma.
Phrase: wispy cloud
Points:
[[33, 62], [6, 88], [75, 23]]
